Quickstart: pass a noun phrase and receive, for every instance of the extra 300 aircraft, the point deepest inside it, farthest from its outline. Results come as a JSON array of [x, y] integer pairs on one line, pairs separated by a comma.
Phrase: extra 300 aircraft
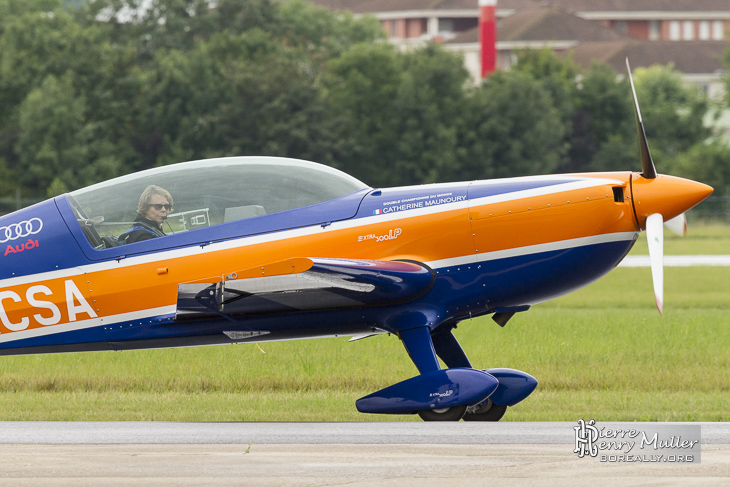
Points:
[[261, 248]]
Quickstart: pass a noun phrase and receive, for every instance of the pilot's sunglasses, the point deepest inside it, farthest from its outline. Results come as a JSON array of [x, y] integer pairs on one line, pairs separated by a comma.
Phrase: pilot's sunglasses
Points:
[[159, 207]]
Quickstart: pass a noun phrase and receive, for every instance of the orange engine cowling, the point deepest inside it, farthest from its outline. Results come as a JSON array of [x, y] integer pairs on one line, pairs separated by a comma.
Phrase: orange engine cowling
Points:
[[666, 195]]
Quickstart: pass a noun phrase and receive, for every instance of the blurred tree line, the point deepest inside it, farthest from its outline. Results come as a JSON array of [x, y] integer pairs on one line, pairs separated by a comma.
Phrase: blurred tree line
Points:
[[97, 89]]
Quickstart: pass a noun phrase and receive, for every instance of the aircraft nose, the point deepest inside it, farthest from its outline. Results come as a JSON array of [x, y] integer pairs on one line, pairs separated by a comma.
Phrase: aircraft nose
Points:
[[667, 195]]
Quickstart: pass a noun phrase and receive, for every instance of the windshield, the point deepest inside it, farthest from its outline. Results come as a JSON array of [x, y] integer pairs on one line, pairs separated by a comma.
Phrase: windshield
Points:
[[204, 193]]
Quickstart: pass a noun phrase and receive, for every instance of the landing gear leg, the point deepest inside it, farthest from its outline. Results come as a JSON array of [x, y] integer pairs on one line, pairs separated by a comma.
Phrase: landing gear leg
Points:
[[420, 347], [435, 394], [448, 348]]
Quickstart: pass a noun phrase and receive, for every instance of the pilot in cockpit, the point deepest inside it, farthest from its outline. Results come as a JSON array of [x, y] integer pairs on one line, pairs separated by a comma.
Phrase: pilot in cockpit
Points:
[[154, 206]]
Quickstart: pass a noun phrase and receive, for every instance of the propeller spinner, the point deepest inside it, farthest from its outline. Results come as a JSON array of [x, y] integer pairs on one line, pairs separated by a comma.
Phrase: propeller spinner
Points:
[[658, 198]]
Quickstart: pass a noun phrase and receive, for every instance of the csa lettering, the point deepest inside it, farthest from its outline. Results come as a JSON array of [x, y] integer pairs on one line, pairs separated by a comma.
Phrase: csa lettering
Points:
[[48, 312]]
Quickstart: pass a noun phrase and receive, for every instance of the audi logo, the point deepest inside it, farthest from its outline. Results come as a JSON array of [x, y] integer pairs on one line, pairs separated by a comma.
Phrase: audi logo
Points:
[[23, 229]]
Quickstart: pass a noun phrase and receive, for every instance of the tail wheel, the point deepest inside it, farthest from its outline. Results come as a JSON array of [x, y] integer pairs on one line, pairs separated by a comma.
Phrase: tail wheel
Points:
[[486, 411], [454, 413]]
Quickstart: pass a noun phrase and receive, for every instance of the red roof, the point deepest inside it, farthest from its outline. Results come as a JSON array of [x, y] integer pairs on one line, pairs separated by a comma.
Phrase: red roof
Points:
[[544, 24], [642, 5], [376, 6], [688, 57]]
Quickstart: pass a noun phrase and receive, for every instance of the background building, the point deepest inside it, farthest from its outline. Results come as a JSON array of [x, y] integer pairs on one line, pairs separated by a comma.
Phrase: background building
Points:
[[690, 34]]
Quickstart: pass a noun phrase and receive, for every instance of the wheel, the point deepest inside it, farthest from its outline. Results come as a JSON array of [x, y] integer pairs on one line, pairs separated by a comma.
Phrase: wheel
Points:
[[446, 414], [486, 411]]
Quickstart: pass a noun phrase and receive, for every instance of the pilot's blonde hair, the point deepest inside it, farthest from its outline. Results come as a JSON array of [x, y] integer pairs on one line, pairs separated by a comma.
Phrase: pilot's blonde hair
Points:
[[147, 194]]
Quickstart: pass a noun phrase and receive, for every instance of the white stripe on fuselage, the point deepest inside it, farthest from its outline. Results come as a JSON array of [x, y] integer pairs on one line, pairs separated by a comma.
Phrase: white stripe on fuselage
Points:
[[572, 183], [533, 249], [84, 324], [576, 183], [439, 264]]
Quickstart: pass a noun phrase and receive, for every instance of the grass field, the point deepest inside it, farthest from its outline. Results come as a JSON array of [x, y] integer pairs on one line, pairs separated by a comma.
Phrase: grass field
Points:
[[601, 353], [701, 239]]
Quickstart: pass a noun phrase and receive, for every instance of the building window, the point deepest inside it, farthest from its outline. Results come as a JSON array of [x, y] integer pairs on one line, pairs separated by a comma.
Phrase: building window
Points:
[[622, 26], [718, 30], [505, 60], [704, 30], [446, 26], [688, 30], [391, 28], [653, 30], [416, 28], [674, 30]]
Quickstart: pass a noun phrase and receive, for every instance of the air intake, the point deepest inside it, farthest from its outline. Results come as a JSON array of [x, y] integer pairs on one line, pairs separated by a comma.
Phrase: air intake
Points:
[[618, 194]]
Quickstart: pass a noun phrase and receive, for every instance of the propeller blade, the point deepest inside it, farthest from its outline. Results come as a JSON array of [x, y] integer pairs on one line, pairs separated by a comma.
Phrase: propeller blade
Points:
[[647, 164], [655, 239], [677, 225]]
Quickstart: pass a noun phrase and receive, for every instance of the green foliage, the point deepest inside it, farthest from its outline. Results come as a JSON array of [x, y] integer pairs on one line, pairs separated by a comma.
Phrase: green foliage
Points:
[[13, 8], [323, 35], [544, 64], [400, 112], [557, 75], [276, 109], [50, 139], [706, 162], [55, 142], [90, 90], [109, 88], [54, 86], [617, 153], [604, 130], [673, 113], [601, 129], [726, 77], [6, 179], [515, 129]]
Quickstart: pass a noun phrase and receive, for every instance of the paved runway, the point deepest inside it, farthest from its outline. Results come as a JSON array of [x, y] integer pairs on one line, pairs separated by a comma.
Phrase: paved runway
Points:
[[402, 454], [372, 433]]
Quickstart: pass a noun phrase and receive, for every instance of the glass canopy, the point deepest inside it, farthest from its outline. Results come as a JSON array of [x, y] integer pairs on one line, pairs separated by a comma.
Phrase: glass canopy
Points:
[[211, 192]]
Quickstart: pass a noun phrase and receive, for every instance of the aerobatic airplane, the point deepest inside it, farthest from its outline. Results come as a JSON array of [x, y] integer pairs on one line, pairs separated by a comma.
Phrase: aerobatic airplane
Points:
[[253, 249]]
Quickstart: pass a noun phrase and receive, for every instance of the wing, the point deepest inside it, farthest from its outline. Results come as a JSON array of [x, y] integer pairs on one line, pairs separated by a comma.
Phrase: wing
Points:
[[304, 284]]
